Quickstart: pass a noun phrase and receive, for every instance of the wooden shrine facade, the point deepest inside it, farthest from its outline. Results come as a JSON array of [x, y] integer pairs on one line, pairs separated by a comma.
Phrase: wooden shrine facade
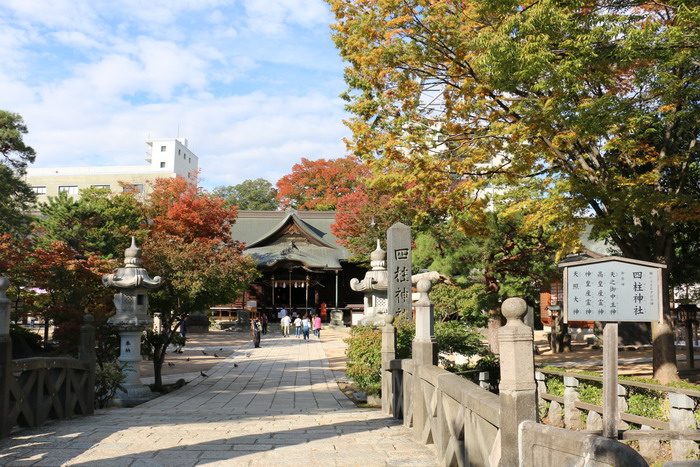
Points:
[[301, 262]]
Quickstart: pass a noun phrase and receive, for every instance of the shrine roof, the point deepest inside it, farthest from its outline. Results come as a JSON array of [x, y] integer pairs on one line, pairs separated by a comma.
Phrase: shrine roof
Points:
[[272, 237]]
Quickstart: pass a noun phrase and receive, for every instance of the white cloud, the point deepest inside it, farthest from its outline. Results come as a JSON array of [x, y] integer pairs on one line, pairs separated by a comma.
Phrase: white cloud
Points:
[[77, 39], [94, 79], [266, 17], [71, 14]]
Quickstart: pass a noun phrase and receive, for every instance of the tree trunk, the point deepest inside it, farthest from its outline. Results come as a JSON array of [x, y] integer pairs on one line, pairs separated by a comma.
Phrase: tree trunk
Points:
[[158, 358], [664, 348]]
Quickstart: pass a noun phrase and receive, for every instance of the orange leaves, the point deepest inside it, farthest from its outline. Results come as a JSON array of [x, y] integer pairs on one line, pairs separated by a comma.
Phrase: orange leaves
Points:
[[182, 209], [317, 185]]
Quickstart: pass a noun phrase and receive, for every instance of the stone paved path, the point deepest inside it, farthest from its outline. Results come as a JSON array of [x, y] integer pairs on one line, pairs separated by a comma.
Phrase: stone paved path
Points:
[[280, 406]]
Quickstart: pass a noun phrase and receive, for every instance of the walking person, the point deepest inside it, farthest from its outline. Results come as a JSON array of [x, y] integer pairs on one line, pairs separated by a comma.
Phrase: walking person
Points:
[[183, 334], [317, 326], [297, 326], [264, 323], [286, 323], [255, 331], [306, 325]]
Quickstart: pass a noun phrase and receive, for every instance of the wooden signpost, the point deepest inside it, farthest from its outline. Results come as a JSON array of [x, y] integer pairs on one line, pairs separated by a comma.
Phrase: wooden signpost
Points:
[[612, 290]]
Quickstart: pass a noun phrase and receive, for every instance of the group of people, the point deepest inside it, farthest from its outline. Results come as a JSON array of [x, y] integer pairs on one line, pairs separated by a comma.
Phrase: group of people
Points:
[[303, 325]]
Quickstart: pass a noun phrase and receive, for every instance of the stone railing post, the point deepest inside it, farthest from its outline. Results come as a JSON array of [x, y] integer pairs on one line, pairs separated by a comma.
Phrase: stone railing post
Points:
[[388, 354], [572, 415], [86, 353], [517, 389], [5, 359], [425, 350], [682, 418], [622, 404], [424, 353], [541, 383], [485, 380]]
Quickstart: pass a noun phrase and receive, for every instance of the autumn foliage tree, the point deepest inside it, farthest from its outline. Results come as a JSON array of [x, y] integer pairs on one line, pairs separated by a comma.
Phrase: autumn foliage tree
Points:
[[596, 101], [190, 246], [318, 185]]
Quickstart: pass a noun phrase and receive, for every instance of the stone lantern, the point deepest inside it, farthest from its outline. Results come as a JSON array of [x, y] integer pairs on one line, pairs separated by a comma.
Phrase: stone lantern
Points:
[[374, 286], [131, 318], [687, 315]]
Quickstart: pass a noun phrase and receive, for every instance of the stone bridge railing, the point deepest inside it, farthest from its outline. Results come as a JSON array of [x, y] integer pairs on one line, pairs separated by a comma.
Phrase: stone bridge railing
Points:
[[34, 390], [469, 425]]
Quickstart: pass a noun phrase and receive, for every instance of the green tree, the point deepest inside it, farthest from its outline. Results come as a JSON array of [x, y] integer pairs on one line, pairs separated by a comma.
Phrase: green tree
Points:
[[17, 197], [597, 101], [256, 195], [99, 222]]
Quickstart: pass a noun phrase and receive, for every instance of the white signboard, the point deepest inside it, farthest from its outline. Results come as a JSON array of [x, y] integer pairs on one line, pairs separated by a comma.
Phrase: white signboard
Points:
[[612, 289]]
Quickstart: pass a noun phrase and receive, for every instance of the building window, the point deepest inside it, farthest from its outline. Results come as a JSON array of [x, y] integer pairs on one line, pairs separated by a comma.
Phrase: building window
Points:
[[179, 152], [162, 148], [39, 190], [190, 160], [162, 165], [136, 188], [101, 186], [68, 189]]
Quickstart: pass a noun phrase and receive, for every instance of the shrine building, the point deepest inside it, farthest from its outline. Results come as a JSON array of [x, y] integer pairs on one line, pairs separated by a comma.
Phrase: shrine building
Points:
[[302, 264]]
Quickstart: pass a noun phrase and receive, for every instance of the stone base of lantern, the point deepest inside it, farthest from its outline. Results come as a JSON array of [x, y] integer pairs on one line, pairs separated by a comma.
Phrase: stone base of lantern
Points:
[[135, 392], [337, 318], [133, 396]]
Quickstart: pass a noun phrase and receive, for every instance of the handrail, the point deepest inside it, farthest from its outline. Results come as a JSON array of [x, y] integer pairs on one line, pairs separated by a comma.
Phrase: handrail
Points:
[[654, 387], [39, 363]]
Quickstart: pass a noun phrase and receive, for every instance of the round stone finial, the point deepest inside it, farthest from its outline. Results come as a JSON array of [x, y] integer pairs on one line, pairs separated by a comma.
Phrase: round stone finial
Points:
[[514, 309], [378, 254], [388, 319], [132, 255], [424, 286]]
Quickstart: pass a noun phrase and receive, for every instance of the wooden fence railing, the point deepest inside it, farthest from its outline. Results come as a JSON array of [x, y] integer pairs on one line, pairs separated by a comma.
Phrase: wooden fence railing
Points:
[[34, 390], [678, 424]]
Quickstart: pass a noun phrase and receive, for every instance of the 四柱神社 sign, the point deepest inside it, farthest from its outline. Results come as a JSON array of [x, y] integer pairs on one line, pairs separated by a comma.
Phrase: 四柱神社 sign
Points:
[[612, 289], [399, 267]]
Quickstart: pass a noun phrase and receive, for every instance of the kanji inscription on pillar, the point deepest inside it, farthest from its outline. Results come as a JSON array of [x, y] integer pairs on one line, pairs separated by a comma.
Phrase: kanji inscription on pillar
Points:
[[399, 268], [612, 289]]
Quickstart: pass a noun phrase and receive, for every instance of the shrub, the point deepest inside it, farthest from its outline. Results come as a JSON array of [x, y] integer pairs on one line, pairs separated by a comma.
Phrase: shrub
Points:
[[364, 350], [458, 337], [364, 355], [32, 339], [108, 379]]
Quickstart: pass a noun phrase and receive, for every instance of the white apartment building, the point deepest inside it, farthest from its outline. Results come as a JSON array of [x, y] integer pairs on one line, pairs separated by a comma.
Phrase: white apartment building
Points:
[[167, 158]]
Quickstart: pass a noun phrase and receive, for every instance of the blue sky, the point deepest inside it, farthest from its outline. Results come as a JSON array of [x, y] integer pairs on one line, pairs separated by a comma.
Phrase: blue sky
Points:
[[252, 84]]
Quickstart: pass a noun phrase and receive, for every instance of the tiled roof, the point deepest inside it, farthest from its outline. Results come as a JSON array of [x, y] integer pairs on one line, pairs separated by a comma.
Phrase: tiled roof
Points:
[[260, 231]]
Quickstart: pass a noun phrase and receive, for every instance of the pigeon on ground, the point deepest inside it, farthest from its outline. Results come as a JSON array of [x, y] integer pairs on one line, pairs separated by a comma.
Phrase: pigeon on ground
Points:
[[171, 364], [204, 353], [235, 365], [188, 359], [215, 355], [221, 349], [204, 375], [247, 355]]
